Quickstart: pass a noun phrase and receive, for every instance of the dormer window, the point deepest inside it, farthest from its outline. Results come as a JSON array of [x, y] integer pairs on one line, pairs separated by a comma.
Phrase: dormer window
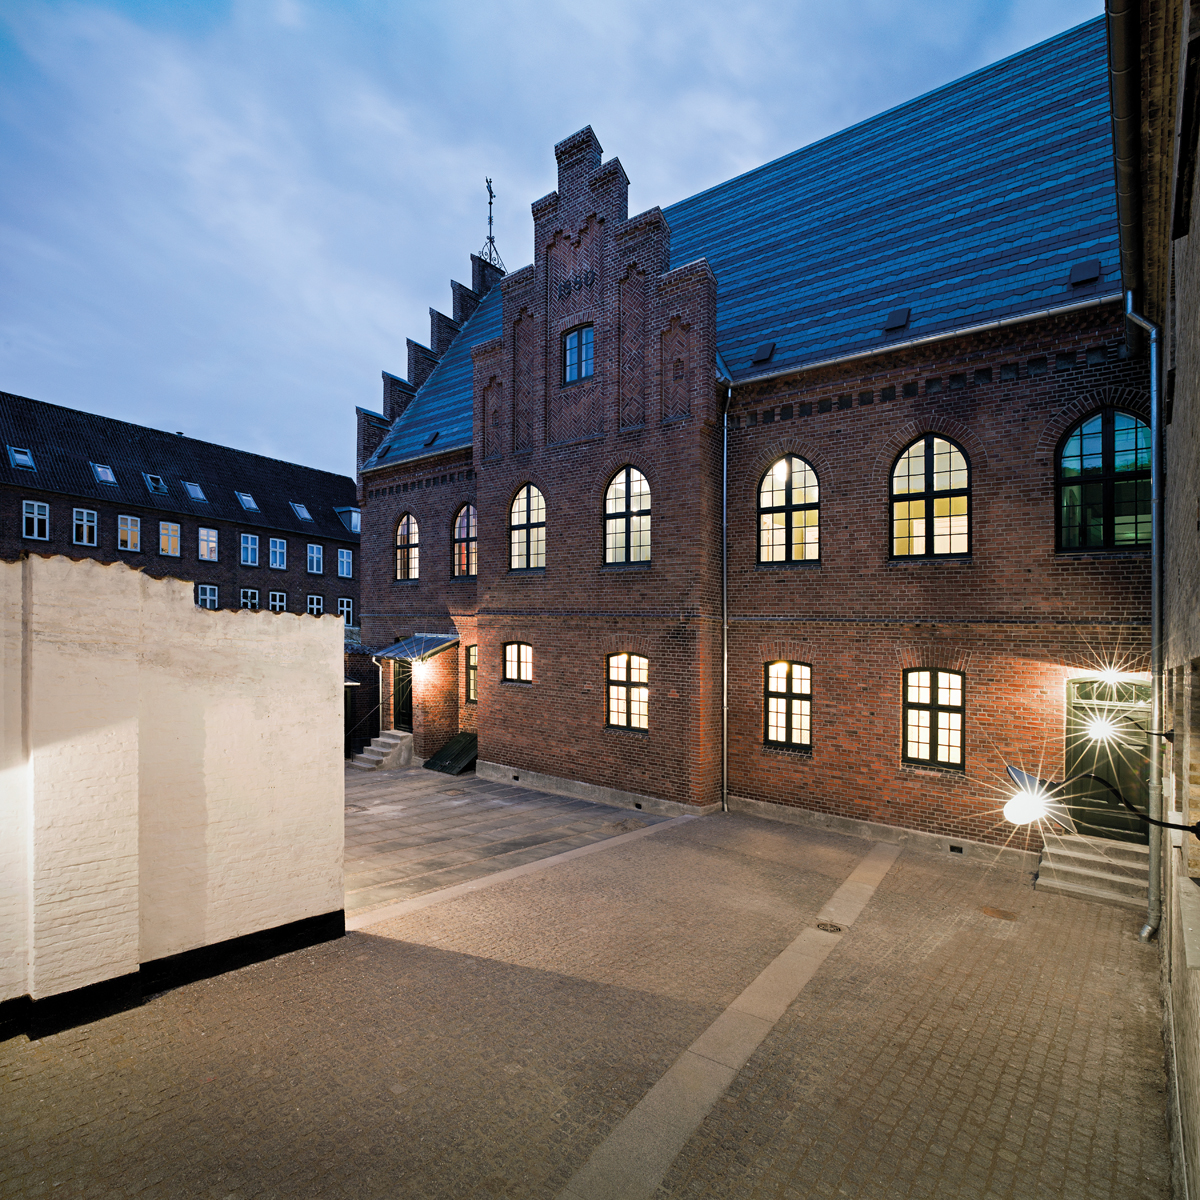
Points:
[[351, 518], [22, 459], [246, 501], [577, 354], [300, 511], [195, 491], [155, 483], [104, 474]]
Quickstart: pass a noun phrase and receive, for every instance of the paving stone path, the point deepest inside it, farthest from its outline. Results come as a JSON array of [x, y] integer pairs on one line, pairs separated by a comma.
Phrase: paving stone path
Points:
[[965, 1037]]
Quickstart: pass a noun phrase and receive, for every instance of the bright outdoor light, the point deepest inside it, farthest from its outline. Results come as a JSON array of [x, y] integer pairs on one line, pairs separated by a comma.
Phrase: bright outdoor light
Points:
[[1101, 729], [1025, 808], [1111, 675]]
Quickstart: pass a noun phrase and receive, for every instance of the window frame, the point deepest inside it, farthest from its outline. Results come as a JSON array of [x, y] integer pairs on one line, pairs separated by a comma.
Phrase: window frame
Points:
[[582, 344], [277, 549], [627, 516], [316, 553], [466, 546], [30, 512], [929, 496], [472, 681], [197, 494], [934, 708], [249, 556], [411, 548], [346, 560], [788, 508], [1107, 479], [247, 501], [156, 485], [202, 597], [523, 662], [211, 541], [170, 535], [92, 526], [250, 594], [13, 451], [791, 696], [97, 468], [301, 511], [528, 527], [277, 601], [315, 605], [345, 610], [129, 529], [626, 688]]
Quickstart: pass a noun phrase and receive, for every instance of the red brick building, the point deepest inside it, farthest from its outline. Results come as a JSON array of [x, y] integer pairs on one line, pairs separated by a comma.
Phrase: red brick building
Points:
[[860, 424]]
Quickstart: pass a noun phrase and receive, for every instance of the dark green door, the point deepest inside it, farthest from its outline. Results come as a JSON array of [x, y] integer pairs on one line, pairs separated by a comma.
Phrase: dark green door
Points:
[[1123, 760], [402, 708]]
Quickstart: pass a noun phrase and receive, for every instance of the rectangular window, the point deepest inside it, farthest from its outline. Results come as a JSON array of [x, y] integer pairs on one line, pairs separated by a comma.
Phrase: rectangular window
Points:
[[156, 483], [933, 717], [518, 662], [346, 610], [472, 674], [168, 538], [787, 704], [246, 501], [300, 510], [206, 595], [22, 459], [279, 554], [85, 527], [37, 520], [129, 533], [208, 545], [249, 598], [316, 559], [345, 564], [104, 474], [195, 491], [577, 354], [249, 549], [628, 691], [277, 601], [316, 605]]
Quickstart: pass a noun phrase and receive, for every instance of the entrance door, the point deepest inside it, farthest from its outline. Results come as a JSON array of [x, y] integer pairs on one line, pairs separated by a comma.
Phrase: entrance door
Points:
[[402, 704], [1123, 760]]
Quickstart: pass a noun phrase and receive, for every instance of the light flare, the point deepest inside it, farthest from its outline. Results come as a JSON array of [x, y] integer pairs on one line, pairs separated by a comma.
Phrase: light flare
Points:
[[1026, 807]]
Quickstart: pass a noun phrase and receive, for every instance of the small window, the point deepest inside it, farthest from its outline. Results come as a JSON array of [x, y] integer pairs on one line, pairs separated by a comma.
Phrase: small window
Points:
[[408, 548], [208, 545], [104, 474], [36, 520], [249, 549], [789, 513], [472, 674], [277, 601], [278, 557], [85, 527], [246, 501], [351, 518], [628, 691], [933, 718], [1104, 483], [345, 564], [577, 354], [518, 662], [346, 610], [206, 595], [627, 518], [527, 531], [466, 541], [21, 459], [129, 533], [316, 605], [316, 560], [168, 538], [195, 491], [249, 598], [787, 705], [931, 479], [156, 483], [300, 511]]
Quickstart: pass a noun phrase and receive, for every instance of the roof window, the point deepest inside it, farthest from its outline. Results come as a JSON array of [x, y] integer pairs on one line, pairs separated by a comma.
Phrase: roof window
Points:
[[156, 483], [300, 511], [21, 458], [247, 501], [104, 473], [195, 491], [351, 518]]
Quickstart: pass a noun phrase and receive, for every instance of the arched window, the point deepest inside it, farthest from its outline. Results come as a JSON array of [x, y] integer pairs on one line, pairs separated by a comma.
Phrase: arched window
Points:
[[931, 500], [1104, 483], [466, 541], [788, 509], [527, 530], [408, 550], [627, 518], [628, 691]]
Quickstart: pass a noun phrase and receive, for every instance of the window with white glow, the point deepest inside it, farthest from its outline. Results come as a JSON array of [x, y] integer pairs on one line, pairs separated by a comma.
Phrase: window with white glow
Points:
[[933, 718], [527, 531], [787, 705], [472, 674], [627, 518], [788, 513], [931, 500], [408, 548], [466, 541], [628, 691], [518, 662], [208, 545]]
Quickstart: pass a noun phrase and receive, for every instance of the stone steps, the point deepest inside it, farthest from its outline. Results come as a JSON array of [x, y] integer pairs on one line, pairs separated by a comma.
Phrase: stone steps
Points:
[[390, 749], [1096, 869]]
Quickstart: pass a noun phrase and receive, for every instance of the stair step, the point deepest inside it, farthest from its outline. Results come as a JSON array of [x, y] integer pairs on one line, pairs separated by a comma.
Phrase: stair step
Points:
[[1105, 847], [1095, 895], [1125, 885], [1095, 862]]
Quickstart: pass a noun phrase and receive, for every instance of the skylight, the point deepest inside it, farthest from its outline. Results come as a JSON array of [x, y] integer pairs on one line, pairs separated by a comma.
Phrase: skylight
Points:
[[104, 474], [156, 483], [195, 491], [21, 458], [300, 511], [247, 501]]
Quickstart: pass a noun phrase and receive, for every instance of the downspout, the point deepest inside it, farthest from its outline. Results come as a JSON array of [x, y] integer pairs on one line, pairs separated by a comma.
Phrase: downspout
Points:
[[1124, 81], [1154, 905], [725, 596]]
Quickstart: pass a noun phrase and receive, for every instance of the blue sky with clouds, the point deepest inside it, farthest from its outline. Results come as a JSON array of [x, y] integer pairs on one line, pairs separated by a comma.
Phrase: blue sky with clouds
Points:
[[226, 217]]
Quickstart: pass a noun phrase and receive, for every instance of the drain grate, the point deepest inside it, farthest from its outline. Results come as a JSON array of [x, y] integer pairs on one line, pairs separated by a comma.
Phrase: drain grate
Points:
[[828, 927]]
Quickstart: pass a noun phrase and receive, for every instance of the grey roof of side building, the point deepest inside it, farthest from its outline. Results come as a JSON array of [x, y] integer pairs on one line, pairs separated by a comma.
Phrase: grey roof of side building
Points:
[[966, 205], [65, 443]]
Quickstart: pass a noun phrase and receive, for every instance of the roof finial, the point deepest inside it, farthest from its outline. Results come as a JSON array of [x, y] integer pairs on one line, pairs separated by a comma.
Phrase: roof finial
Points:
[[489, 253]]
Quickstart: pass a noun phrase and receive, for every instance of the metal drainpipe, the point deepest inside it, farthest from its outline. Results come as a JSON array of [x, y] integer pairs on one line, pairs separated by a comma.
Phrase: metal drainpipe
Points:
[[1154, 905], [725, 599]]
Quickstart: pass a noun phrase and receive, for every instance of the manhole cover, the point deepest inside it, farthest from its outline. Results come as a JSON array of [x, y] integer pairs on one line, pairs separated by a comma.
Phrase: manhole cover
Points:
[[1001, 914], [828, 927]]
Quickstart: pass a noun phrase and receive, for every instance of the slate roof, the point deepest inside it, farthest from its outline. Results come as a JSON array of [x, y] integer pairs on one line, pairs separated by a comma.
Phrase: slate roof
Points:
[[65, 442], [966, 205]]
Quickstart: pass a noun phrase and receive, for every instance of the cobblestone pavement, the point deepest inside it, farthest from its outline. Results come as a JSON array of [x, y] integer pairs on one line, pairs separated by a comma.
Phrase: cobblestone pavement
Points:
[[412, 831], [966, 1037]]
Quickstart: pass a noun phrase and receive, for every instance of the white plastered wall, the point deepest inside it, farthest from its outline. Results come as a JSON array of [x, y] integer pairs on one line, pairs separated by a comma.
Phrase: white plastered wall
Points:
[[172, 777]]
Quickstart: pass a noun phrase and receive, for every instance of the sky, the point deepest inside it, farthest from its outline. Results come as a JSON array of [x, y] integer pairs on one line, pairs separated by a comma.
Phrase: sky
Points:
[[225, 218]]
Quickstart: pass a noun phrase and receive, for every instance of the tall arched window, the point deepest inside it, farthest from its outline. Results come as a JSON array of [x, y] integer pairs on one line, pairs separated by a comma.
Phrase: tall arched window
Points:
[[627, 518], [466, 541], [408, 549], [931, 500], [527, 530], [1104, 483], [788, 510]]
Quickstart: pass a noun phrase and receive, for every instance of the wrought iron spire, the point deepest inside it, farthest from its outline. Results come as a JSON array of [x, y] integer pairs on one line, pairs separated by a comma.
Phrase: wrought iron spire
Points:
[[489, 253]]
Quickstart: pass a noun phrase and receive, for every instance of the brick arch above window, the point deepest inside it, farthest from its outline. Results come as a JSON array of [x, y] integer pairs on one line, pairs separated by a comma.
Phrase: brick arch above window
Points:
[[607, 472], [785, 650], [616, 643], [801, 447], [1135, 400], [941, 656], [893, 446]]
